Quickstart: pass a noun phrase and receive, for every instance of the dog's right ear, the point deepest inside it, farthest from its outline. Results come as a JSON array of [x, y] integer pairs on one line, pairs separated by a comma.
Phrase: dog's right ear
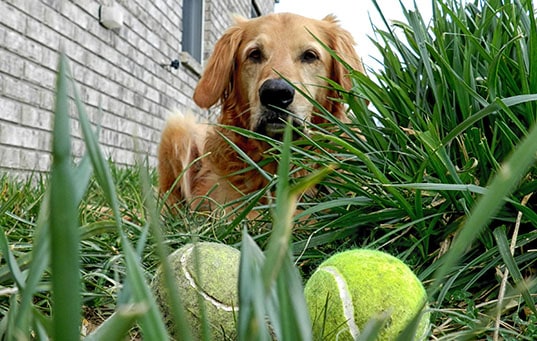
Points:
[[216, 83]]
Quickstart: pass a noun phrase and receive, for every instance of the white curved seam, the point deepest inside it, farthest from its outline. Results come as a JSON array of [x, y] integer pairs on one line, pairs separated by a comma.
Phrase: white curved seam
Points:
[[193, 284], [346, 299]]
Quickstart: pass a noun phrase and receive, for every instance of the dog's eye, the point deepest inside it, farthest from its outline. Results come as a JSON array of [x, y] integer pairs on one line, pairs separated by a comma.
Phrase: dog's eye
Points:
[[255, 55], [309, 56]]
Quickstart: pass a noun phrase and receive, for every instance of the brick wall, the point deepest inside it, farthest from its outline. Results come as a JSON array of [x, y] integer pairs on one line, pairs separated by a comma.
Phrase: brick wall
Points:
[[121, 71]]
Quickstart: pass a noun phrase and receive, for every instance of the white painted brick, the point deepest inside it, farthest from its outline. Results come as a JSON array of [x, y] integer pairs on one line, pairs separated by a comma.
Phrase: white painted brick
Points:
[[35, 9], [20, 90], [38, 75], [12, 17], [35, 160], [49, 59], [83, 18], [2, 36], [11, 64], [16, 135], [35, 117], [73, 51], [9, 155], [78, 148], [15, 42], [10, 110], [46, 99], [38, 32]]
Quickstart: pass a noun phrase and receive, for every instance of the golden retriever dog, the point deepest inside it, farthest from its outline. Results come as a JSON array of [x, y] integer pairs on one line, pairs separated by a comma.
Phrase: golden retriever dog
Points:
[[249, 75]]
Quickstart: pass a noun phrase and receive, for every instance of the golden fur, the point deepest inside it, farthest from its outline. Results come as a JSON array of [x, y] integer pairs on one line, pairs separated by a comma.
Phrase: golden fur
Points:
[[250, 55]]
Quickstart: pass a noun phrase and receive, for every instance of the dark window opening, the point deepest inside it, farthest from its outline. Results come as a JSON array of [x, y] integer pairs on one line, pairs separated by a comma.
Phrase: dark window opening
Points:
[[254, 10], [193, 28]]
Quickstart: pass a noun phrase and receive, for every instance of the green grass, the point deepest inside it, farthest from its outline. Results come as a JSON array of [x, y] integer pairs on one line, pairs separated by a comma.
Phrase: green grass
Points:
[[439, 170]]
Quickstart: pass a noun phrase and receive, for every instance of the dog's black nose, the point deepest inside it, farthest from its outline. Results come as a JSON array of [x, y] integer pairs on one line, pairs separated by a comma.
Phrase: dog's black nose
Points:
[[276, 92]]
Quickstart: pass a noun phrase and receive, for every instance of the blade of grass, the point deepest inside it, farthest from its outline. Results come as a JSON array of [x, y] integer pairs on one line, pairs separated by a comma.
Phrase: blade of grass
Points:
[[6, 251], [510, 263], [13, 328], [285, 207], [491, 108], [118, 324], [252, 305], [270, 286], [182, 329], [373, 328], [294, 317], [278, 267], [40, 255], [40, 260], [376, 171], [532, 46], [64, 234], [151, 322], [286, 196]]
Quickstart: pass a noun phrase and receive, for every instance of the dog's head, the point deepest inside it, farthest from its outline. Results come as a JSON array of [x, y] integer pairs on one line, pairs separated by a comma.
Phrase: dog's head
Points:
[[252, 63]]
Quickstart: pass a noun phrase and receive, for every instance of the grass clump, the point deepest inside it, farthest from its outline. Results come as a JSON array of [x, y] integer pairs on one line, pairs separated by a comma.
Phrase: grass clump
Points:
[[439, 170], [449, 178]]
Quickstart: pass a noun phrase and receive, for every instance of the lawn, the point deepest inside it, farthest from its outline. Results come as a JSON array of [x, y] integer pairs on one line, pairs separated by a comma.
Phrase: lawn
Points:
[[437, 167]]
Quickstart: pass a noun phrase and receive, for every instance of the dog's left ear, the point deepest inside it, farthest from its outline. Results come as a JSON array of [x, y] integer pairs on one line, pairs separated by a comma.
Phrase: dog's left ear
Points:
[[342, 42]]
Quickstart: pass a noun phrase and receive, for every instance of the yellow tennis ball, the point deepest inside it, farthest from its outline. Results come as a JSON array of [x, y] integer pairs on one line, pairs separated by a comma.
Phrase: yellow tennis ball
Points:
[[206, 271], [353, 287]]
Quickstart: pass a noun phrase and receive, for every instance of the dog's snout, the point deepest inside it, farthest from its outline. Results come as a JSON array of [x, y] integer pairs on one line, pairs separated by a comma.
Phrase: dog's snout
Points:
[[277, 93]]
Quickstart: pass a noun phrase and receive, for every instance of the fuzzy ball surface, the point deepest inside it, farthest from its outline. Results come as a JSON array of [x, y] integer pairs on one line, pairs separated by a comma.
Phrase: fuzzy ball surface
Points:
[[206, 271], [353, 287]]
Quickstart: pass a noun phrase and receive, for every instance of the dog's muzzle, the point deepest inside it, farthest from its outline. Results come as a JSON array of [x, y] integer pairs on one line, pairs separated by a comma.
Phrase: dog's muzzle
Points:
[[276, 95]]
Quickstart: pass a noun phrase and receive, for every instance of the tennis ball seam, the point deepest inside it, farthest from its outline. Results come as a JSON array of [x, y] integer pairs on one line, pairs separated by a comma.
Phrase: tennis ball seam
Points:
[[199, 290], [346, 300]]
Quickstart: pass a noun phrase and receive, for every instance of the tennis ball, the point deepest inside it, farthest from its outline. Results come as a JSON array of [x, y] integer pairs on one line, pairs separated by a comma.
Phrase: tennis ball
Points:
[[353, 287], [209, 271]]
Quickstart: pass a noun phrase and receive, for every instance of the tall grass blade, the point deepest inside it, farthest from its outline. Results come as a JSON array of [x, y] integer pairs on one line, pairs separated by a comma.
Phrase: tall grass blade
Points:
[[151, 322], [293, 311], [532, 47], [510, 263], [278, 246], [8, 256], [118, 324], [181, 327], [491, 108], [40, 257], [270, 286], [373, 328], [64, 233], [12, 327], [253, 303], [40, 254]]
